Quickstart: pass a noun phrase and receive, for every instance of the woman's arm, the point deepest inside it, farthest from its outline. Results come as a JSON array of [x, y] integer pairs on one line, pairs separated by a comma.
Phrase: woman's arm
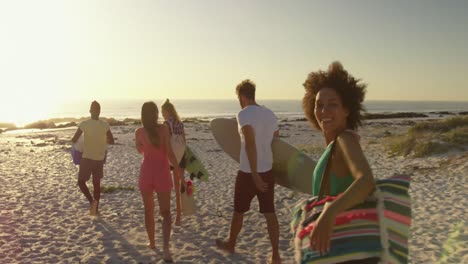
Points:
[[167, 144], [183, 134], [359, 190], [363, 183], [138, 143]]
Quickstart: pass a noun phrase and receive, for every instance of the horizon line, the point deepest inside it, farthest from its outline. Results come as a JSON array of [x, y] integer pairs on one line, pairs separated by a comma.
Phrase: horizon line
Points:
[[259, 99]]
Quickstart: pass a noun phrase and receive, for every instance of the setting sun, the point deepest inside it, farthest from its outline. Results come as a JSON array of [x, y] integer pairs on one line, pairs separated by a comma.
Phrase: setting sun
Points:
[[22, 110]]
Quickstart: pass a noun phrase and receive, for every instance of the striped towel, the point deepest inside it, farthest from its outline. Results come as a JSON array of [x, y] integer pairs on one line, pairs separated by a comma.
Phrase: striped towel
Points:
[[379, 227], [396, 215]]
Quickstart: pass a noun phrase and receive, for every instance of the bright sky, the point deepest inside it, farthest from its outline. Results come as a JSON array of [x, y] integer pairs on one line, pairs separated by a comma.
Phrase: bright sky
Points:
[[62, 50]]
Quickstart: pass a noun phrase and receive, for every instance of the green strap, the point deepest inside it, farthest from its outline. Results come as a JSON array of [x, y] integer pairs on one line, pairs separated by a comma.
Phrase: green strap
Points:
[[325, 181]]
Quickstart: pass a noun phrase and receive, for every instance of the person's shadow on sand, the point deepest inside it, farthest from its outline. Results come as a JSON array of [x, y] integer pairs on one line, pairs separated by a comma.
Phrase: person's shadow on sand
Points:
[[117, 249], [204, 243]]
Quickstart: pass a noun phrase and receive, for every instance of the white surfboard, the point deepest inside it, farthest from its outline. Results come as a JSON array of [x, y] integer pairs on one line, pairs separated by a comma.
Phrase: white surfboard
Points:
[[291, 168], [77, 151]]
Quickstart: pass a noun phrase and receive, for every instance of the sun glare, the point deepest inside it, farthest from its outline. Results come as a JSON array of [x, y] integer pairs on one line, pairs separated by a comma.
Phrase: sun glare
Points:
[[35, 60], [25, 111]]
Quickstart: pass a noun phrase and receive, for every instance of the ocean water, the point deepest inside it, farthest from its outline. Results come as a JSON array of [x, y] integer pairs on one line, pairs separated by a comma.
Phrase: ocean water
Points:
[[229, 108], [208, 109]]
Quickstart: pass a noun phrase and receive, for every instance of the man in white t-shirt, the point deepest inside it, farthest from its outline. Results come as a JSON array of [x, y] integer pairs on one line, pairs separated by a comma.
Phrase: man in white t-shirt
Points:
[[258, 126], [97, 135]]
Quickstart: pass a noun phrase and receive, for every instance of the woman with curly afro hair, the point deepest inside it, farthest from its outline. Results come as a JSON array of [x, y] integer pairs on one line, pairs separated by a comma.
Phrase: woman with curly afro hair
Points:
[[333, 104]]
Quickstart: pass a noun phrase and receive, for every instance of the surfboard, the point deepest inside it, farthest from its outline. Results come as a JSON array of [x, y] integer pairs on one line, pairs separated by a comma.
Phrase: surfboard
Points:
[[291, 167], [194, 166], [77, 151]]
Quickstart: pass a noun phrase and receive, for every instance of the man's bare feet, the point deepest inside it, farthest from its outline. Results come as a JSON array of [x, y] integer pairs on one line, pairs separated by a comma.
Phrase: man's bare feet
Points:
[[224, 246], [167, 256], [177, 221], [93, 208], [272, 260], [151, 246]]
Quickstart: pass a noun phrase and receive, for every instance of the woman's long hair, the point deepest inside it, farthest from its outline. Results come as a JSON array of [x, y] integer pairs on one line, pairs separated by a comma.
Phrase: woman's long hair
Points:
[[149, 118], [169, 107]]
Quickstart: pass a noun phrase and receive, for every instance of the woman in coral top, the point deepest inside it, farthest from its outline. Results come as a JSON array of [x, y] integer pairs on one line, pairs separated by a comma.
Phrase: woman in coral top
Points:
[[153, 141]]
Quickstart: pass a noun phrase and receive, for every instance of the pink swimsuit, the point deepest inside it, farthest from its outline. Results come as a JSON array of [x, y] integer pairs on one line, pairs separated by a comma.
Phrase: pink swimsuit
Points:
[[155, 175]]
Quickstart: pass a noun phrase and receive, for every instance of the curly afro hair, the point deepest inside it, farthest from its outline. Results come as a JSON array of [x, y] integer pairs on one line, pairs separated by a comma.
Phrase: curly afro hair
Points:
[[350, 90]]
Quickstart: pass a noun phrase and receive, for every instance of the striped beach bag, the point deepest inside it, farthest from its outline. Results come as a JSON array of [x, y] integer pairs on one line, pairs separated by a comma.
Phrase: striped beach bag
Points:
[[376, 228]]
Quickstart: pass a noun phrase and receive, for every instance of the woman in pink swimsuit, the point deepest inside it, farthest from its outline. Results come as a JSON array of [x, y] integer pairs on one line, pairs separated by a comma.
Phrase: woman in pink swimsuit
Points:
[[153, 141]]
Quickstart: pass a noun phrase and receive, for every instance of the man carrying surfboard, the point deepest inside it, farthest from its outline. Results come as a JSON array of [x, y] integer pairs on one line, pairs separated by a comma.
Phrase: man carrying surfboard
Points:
[[257, 127], [96, 135]]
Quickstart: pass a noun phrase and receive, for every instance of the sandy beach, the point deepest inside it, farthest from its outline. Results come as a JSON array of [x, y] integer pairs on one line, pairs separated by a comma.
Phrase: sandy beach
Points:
[[44, 217]]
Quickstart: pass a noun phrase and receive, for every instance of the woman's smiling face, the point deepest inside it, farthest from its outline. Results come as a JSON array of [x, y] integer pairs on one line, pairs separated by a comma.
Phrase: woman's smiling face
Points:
[[329, 111]]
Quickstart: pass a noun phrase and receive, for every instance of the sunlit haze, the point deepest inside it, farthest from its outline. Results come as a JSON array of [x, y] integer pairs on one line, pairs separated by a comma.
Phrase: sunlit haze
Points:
[[58, 51]]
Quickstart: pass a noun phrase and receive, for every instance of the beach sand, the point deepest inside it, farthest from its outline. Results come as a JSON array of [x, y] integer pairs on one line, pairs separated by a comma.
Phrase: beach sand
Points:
[[44, 217]]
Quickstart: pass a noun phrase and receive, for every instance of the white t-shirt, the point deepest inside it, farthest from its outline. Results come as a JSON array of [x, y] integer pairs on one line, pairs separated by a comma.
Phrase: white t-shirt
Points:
[[264, 124]]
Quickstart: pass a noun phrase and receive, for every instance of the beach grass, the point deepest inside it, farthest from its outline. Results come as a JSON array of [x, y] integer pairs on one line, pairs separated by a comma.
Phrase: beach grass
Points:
[[454, 241], [7, 125], [431, 137], [443, 125]]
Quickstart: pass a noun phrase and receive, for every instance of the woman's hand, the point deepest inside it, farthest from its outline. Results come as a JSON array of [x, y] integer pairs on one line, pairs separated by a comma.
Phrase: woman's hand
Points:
[[320, 236]]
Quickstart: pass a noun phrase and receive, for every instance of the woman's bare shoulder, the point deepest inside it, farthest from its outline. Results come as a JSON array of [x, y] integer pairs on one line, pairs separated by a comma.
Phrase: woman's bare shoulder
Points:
[[348, 142], [348, 137], [162, 128], [139, 130]]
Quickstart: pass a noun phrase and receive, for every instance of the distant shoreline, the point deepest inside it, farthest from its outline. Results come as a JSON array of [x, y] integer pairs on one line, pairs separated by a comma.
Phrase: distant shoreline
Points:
[[66, 122], [205, 110]]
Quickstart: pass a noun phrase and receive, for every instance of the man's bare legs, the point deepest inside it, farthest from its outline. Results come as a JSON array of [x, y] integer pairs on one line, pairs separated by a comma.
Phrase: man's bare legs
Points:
[[87, 169], [84, 189], [97, 195], [273, 232], [236, 226]]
